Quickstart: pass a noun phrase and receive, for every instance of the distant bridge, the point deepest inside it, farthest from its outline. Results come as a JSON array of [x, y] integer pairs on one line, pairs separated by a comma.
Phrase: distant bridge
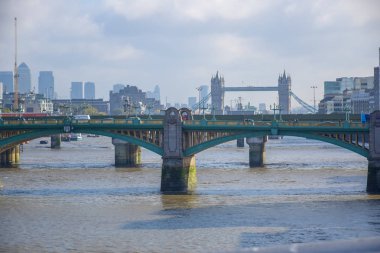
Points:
[[218, 90], [177, 137]]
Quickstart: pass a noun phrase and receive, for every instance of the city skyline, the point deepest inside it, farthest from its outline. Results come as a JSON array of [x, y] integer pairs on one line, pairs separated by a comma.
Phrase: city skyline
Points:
[[180, 45]]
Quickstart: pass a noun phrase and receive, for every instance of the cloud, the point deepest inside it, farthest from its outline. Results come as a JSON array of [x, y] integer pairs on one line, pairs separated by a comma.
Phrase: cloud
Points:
[[195, 10], [181, 44], [348, 12], [134, 9]]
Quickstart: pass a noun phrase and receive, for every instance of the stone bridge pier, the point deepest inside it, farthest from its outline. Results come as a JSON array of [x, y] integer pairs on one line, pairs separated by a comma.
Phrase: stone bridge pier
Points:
[[373, 178], [55, 141], [126, 154], [256, 151], [178, 171], [10, 157]]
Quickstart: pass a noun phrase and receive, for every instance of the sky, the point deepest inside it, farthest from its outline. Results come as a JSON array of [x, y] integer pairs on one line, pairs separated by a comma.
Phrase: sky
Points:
[[179, 45]]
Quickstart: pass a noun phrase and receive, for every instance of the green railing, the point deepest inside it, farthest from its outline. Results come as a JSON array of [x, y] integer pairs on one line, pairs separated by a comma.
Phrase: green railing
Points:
[[334, 124]]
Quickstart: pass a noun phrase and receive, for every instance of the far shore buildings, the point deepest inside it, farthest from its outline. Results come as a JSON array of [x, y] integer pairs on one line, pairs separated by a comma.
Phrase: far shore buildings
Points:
[[354, 94], [130, 100], [46, 84]]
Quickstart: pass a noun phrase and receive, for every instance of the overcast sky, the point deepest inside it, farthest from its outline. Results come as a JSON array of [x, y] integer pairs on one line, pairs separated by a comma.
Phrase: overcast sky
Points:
[[179, 45]]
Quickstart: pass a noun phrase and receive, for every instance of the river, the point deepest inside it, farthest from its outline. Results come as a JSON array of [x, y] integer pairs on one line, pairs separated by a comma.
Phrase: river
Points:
[[75, 200]]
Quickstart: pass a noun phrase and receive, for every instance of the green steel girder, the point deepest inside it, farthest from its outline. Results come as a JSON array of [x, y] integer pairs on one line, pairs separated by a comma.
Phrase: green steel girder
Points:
[[37, 133], [211, 143], [309, 135], [20, 138], [118, 126], [154, 148], [239, 128], [310, 132]]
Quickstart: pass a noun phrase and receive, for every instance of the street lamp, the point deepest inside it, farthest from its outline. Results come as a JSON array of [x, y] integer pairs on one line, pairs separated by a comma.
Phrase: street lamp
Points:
[[135, 107], [199, 89], [274, 109], [149, 107], [347, 109], [314, 87], [213, 112], [127, 106]]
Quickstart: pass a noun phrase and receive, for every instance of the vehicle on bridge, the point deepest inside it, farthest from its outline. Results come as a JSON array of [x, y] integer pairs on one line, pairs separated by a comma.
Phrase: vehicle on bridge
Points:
[[82, 117]]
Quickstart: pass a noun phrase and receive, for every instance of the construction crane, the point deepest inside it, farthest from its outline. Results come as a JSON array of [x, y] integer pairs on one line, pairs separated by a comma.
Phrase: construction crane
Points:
[[15, 92]]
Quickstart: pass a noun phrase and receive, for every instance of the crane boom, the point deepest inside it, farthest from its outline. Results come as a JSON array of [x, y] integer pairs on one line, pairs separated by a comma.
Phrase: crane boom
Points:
[[15, 92]]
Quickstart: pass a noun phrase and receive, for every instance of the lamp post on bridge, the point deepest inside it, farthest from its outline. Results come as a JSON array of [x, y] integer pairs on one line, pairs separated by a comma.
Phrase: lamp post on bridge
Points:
[[274, 109], [199, 89], [127, 106], [314, 87], [213, 112], [203, 109], [149, 106], [135, 107], [347, 110]]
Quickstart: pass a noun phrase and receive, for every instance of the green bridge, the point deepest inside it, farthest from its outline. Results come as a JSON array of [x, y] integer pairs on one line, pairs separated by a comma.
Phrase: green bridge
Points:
[[177, 137]]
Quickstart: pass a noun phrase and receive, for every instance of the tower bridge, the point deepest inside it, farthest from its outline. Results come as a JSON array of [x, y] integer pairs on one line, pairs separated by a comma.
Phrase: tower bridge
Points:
[[218, 90], [177, 137]]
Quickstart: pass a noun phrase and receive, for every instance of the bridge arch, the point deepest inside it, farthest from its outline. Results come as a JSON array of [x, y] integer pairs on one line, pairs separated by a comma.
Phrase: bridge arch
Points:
[[211, 143], [14, 140], [130, 139]]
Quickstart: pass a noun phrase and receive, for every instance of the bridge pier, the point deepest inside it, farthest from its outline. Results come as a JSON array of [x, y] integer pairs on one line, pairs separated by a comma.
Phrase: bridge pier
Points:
[[126, 154], [256, 151], [178, 171], [178, 174], [17, 153], [240, 143], [373, 178], [55, 141], [10, 157]]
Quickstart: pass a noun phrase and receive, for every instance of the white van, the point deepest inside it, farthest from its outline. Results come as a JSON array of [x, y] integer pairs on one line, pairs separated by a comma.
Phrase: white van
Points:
[[82, 117]]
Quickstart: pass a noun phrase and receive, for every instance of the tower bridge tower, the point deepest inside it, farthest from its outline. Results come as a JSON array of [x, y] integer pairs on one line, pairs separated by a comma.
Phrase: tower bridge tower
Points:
[[284, 88], [217, 93]]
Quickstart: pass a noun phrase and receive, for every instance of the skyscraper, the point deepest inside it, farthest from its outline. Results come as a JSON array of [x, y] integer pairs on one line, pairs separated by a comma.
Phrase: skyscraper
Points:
[[24, 79], [117, 87], [46, 84], [89, 90], [154, 94], [204, 91], [6, 77], [76, 90], [191, 101]]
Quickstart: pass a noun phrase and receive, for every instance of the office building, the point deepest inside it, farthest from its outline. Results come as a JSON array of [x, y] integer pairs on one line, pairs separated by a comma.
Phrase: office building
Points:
[[24, 79], [77, 106], [132, 100], [262, 108], [204, 91], [155, 94], [332, 88], [76, 90], [117, 87], [89, 90], [46, 84], [6, 77], [191, 101]]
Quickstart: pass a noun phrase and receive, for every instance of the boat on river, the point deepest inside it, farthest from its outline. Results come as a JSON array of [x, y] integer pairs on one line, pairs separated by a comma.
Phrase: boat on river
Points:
[[76, 137]]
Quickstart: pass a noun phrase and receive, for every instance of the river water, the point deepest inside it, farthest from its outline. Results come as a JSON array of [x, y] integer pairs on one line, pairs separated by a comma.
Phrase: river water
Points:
[[75, 200]]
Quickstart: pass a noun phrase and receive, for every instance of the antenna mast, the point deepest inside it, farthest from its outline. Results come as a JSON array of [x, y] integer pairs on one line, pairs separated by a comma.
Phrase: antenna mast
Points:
[[15, 100]]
